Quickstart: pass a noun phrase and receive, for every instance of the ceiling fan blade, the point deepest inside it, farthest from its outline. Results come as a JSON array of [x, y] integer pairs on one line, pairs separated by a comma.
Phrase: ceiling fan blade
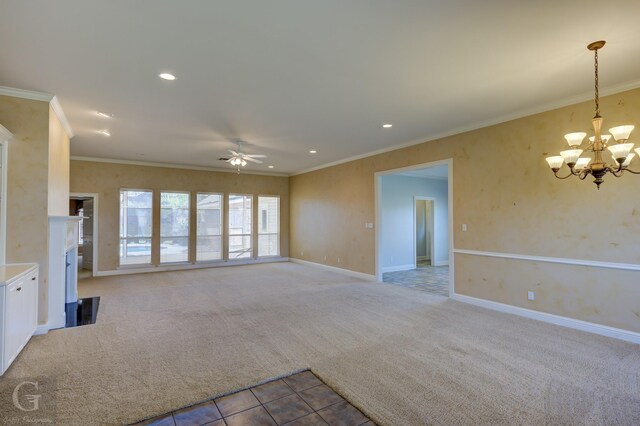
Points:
[[229, 160], [253, 160], [257, 156], [234, 153]]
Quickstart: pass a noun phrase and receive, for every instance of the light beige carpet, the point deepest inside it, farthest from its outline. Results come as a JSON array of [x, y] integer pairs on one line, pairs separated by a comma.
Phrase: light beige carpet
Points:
[[404, 357]]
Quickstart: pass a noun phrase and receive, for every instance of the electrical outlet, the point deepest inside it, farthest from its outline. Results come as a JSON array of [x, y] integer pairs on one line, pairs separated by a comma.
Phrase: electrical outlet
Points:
[[531, 295], [368, 225], [338, 260], [325, 258], [301, 253], [464, 227]]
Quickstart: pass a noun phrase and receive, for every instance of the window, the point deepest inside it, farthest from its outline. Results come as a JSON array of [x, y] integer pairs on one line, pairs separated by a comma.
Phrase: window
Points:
[[269, 226], [174, 227], [209, 227], [135, 227], [240, 226]]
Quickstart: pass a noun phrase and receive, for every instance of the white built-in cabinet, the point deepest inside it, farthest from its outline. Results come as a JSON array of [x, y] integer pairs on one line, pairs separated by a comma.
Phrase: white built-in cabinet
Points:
[[18, 310]]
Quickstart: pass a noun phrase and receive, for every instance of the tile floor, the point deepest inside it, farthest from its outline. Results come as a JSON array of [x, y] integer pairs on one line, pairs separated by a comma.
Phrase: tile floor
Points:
[[298, 400], [431, 279]]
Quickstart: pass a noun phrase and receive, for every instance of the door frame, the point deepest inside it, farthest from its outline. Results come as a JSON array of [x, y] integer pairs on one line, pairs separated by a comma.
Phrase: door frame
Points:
[[3, 198], [95, 250], [432, 243], [378, 209], [5, 137]]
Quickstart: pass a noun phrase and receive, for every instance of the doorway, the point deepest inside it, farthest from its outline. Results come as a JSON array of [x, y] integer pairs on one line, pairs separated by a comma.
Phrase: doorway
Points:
[[86, 206], [414, 233], [423, 227]]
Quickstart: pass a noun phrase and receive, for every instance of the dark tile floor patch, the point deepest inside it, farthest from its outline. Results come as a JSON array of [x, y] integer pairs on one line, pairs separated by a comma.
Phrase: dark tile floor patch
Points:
[[82, 312], [298, 400]]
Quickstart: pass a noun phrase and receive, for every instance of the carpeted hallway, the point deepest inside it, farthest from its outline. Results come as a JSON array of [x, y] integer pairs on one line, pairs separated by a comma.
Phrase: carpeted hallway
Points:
[[167, 340]]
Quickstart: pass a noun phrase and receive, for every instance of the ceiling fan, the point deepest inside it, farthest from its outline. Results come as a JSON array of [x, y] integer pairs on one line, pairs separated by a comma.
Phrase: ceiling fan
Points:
[[238, 158]]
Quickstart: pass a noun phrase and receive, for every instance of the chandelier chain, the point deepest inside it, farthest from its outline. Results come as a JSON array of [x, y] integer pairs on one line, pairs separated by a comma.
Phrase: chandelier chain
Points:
[[596, 85]]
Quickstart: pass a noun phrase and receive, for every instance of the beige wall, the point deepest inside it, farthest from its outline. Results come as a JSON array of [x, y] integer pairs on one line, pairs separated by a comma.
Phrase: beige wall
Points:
[[107, 179], [58, 167], [27, 186], [506, 194]]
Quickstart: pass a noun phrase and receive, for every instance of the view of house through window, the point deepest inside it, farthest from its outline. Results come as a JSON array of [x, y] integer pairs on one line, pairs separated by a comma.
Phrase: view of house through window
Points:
[[136, 230], [174, 227], [268, 226], [240, 244], [209, 227], [135, 227]]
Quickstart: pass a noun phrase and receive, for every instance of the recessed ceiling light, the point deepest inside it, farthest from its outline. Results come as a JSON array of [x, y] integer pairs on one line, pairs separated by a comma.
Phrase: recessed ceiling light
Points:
[[105, 132], [271, 167], [313, 151], [104, 114], [386, 126], [167, 76]]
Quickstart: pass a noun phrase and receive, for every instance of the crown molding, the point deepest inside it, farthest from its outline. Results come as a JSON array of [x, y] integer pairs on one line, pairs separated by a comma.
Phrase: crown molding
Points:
[[171, 166], [57, 108], [44, 97], [586, 96], [25, 94], [5, 135]]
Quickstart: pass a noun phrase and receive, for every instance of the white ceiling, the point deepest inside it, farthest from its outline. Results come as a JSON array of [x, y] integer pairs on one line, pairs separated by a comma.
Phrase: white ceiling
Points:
[[294, 75], [435, 172]]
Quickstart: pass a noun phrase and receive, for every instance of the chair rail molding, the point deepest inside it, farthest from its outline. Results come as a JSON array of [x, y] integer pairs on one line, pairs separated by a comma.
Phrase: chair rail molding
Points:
[[561, 260]]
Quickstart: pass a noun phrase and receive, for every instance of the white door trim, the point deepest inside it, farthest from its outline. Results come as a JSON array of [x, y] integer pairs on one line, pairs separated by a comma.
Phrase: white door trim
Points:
[[93, 195], [5, 137], [378, 208]]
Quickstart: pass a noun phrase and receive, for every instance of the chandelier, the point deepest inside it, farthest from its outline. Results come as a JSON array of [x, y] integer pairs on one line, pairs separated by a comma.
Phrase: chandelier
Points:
[[597, 167]]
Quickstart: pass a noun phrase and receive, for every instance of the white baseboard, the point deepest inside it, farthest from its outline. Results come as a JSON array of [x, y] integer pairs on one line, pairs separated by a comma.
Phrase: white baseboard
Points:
[[41, 329], [441, 263], [127, 270], [334, 269], [603, 330], [422, 258], [398, 268]]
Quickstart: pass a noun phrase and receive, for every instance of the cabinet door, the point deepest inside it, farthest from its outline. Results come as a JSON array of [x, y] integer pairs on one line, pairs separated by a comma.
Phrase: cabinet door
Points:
[[17, 304]]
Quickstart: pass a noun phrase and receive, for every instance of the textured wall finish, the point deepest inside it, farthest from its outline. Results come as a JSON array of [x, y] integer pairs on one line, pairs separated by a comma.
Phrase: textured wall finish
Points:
[[504, 191], [58, 167], [107, 179], [27, 186]]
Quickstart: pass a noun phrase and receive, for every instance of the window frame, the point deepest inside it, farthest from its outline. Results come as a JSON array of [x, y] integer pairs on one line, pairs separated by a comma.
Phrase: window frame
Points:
[[188, 236], [259, 231], [120, 238], [252, 246], [222, 228]]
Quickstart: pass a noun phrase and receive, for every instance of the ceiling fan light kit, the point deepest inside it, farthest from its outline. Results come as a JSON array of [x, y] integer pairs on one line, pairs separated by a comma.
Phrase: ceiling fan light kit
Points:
[[597, 167], [239, 159]]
